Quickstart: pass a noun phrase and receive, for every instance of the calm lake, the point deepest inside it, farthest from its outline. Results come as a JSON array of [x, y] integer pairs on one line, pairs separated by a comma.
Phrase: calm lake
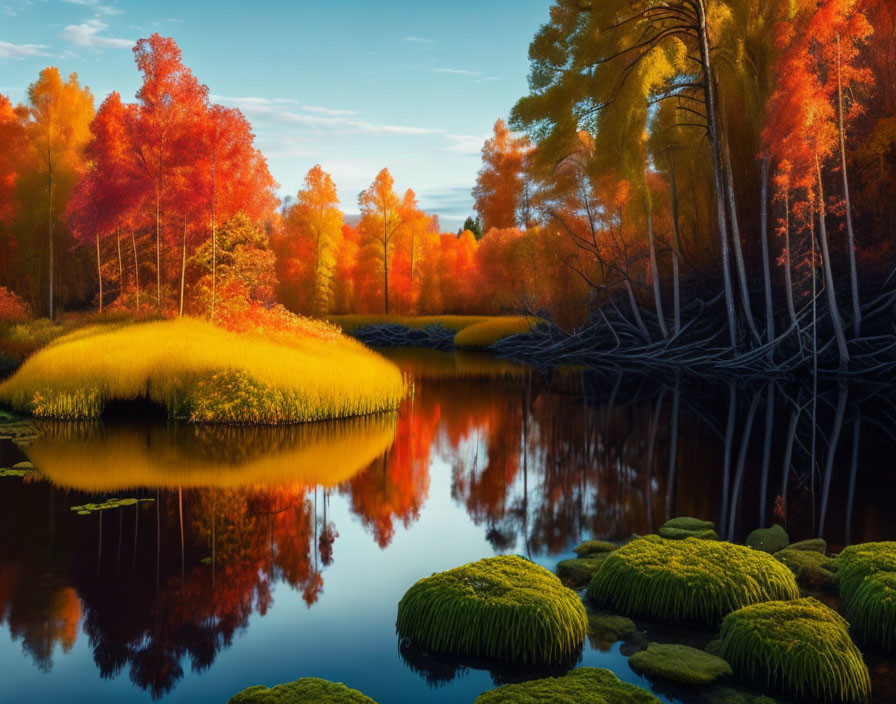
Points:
[[260, 555]]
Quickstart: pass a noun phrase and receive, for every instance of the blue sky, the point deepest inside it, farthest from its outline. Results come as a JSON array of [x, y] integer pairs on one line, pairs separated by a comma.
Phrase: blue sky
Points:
[[352, 85]]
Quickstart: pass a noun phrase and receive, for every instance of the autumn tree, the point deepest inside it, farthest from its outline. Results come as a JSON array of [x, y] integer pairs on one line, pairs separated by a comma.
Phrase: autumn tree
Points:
[[13, 153], [57, 121], [499, 186], [380, 221]]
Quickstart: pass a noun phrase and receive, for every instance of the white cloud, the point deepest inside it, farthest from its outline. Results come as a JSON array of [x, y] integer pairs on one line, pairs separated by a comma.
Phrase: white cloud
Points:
[[96, 6], [19, 51], [341, 121], [418, 40], [88, 34], [465, 144], [465, 72]]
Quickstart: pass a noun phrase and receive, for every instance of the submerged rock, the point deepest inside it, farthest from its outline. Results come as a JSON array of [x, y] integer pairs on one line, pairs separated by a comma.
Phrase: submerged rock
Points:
[[679, 663], [687, 527], [586, 685], [501, 608], [576, 573], [609, 628], [591, 547], [308, 690], [769, 540], [800, 646], [688, 580]]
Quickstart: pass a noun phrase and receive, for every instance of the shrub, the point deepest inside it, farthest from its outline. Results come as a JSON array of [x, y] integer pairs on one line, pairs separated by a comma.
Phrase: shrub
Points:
[[813, 570], [308, 690], [204, 373], [12, 308], [487, 333], [769, 540], [868, 589], [501, 608], [690, 579], [679, 663], [801, 646], [586, 685]]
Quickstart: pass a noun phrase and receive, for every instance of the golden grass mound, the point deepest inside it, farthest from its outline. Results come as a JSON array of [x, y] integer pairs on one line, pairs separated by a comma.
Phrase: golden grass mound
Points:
[[801, 647], [488, 332], [500, 608], [308, 690], [586, 685], [688, 580], [104, 457], [350, 323], [205, 374]]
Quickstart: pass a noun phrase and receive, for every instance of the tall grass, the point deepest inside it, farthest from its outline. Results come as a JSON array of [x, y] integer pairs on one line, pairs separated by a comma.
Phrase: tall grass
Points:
[[501, 608], [585, 685], [688, 580], [206, 374], [94, 457], [489, 331], [801, 646]]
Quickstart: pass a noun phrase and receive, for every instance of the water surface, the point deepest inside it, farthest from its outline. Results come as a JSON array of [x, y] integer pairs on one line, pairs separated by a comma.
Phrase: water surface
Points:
[[267, 554]]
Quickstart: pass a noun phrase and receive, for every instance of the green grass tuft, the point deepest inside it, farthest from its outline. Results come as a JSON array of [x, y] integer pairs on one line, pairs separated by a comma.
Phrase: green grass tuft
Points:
[[501, 608], [801, 647], [586, 685], [687, 527], [868, 590], [592, 547], [487, 333], [814, 571], [308, 690], [679, 663], [688, 580], [578, 572]]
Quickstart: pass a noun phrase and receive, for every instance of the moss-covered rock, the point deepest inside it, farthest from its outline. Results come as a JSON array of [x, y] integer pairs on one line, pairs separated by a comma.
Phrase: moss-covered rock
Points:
[[727, 695], [592, 547], [586, 685], [770, 540], [578, 572], [868, 590], [679, 663], [800, 646], [308, 690], [608, 628], [688, 580], [687, 527], [813, 544], [502, 608], [814, 571]]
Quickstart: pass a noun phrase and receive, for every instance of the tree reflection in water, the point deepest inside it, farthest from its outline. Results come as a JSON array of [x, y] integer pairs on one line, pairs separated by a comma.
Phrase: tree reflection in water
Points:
[[538, 462]]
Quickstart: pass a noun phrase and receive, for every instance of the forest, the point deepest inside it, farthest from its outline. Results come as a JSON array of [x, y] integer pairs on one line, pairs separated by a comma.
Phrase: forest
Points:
[[685, 183]]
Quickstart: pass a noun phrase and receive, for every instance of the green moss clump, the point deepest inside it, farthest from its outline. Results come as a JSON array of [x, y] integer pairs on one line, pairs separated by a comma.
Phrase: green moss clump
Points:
[[680, 663], [770, 540], [608, 628], [578, 572], [502, 608], [688, 580], [586, 685], [687, 527], [308, 690], [591, 547], [801, 646], [814, 571], [727, 695], [868, 590], [813, 544]]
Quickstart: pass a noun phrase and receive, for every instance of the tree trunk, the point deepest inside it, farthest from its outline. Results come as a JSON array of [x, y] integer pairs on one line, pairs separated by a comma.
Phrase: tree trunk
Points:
[[766, 452], [850, 236], [99, 270], [136, 271], [214, 242], [713, 129], [833, 441], [120, 265], [635, 312], [828, 275], [654, 274], [183, 269], [158, 243], [738, 249], [676, 252], [766, 270], [50, 223], [788, 269]]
